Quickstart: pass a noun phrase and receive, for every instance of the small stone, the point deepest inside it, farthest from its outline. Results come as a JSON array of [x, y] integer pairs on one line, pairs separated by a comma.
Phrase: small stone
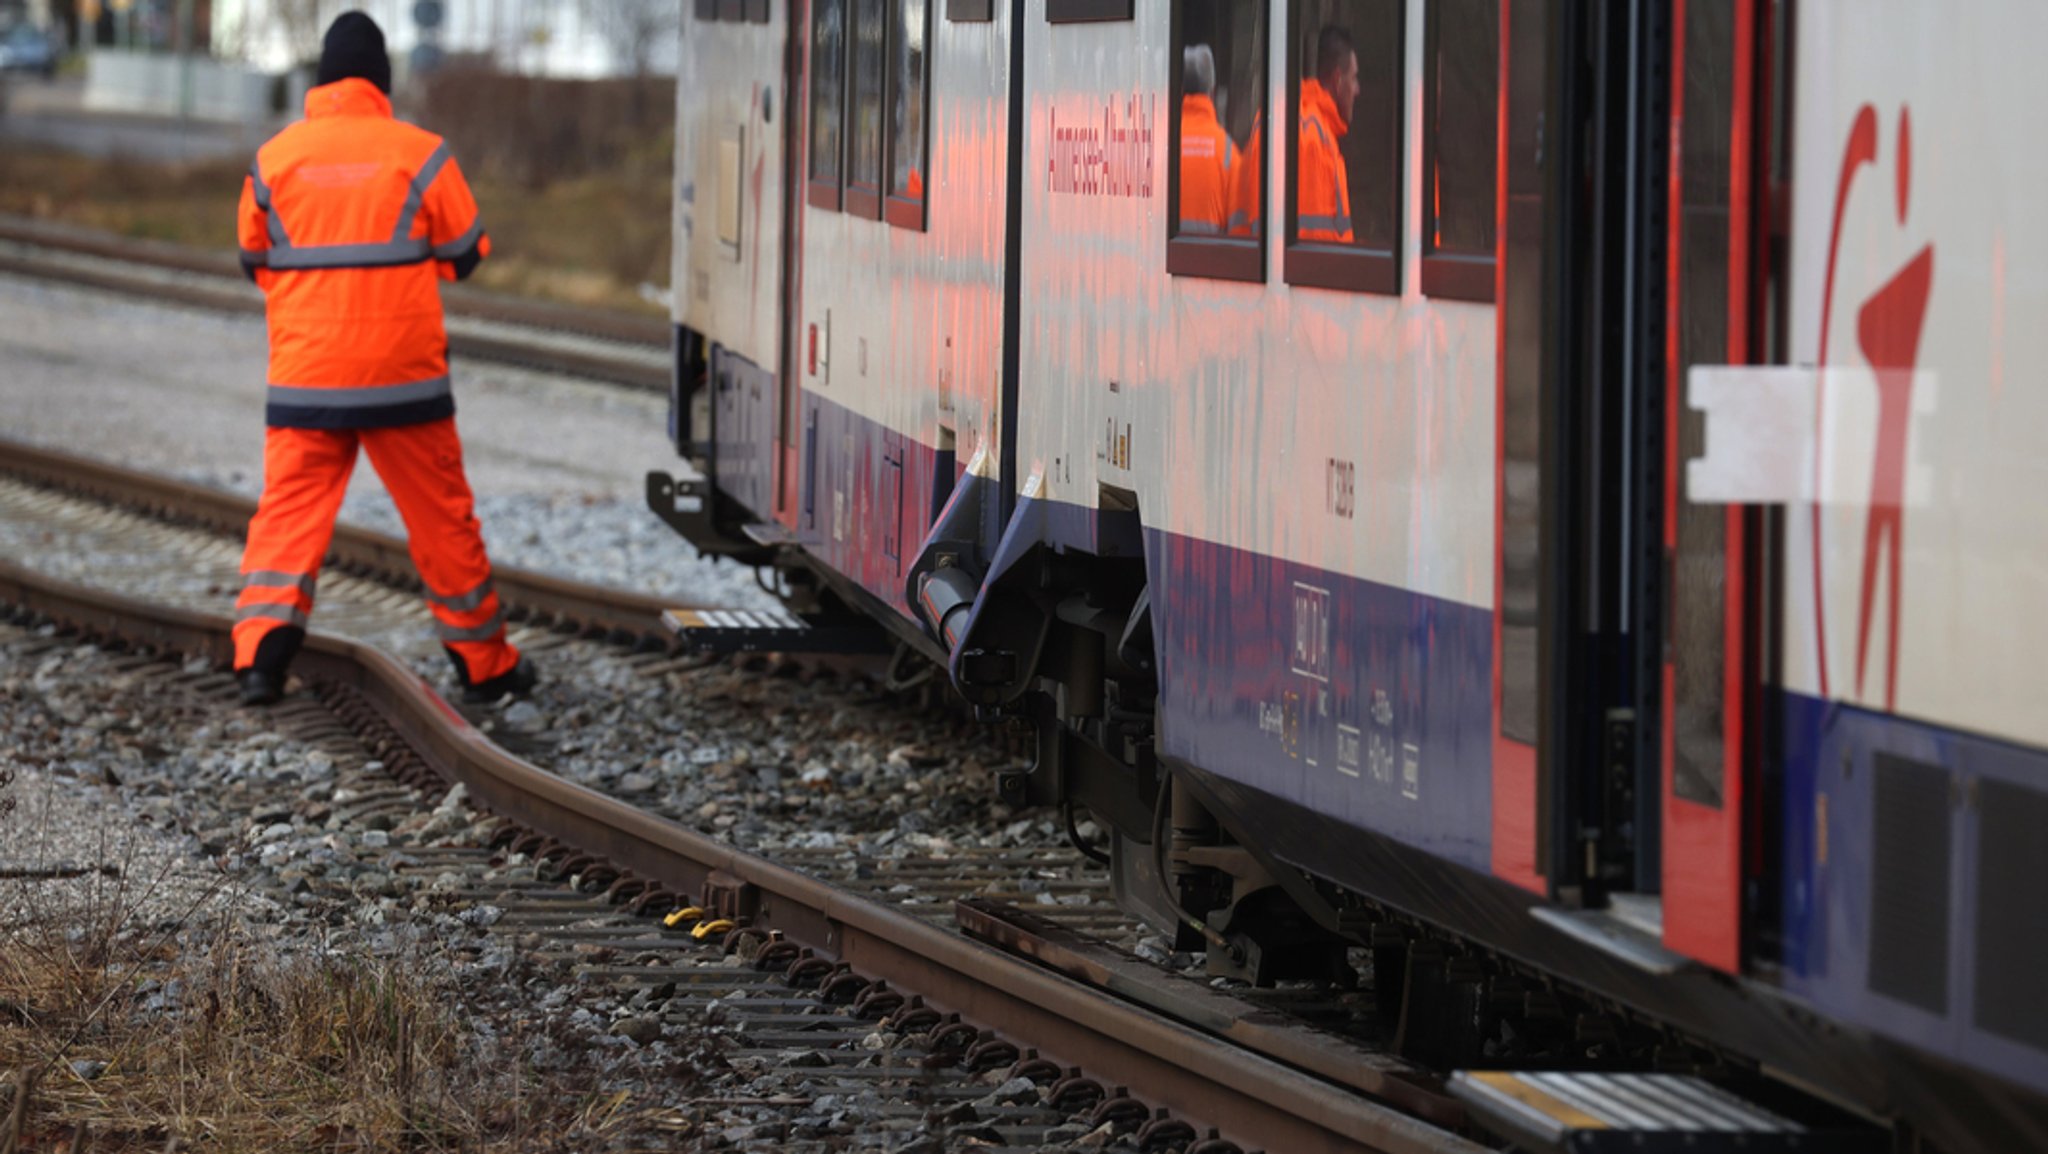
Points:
[[375, 839], [1010, 1093], [1097, 1138], [87, 1069], [455, 799], [644, 1029], [636, 782], [481, 916], [806, 1060], [524, 715]]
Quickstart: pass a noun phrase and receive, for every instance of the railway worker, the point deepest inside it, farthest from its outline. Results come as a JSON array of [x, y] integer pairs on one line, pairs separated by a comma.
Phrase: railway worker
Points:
[[349, 220], [1323, 200], [1208, 157]]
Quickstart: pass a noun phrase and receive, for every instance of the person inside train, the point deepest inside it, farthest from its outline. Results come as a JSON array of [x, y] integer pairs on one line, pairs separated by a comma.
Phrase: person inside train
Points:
[[1208, 157], [1323, 202]]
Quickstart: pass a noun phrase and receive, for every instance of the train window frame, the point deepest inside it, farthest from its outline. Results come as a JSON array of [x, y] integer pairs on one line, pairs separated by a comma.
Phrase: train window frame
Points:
[[825, 194], [855, 199], [731, 11], [970, 11], [1220, 257], [1088, 11], [1346, 268], [901, 211], [1460, 276]]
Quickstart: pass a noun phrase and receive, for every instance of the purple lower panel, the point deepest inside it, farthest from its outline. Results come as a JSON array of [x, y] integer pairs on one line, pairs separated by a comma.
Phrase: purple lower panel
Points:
[[1363, 702], [1915, 883], [743, 399], [866, 497]]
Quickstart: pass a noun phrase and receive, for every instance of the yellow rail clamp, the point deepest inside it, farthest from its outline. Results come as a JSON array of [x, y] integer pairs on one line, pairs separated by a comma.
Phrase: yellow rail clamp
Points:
[[714, 926], [686, 914]]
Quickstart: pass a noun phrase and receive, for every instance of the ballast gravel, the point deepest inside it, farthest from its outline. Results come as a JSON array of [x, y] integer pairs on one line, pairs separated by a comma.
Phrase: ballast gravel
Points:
[[154, 810]]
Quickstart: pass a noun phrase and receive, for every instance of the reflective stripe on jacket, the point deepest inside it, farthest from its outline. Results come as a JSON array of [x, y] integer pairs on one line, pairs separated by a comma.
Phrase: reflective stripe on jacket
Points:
[[1322, 205], [1208, 164], [349, 221]]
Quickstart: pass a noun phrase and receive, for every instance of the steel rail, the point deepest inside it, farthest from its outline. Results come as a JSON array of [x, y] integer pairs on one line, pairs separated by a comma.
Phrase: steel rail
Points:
[[1254, 1101], [231, 294], [631, 618]]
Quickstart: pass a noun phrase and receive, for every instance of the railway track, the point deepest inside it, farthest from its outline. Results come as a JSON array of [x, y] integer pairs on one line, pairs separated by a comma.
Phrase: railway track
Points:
[[949, 926], [621, 350], [535, 599], [961, 1003]]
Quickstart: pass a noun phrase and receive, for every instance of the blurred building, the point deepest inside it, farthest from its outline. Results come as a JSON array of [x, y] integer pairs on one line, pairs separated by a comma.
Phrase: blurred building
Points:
[[554, 38]]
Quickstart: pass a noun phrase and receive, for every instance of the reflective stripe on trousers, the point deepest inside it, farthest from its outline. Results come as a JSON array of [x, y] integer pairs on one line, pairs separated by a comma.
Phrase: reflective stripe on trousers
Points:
[[485, 632]]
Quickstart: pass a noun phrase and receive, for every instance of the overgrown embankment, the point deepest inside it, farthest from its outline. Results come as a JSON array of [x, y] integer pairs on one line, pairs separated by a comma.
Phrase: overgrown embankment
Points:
[[573, 177]]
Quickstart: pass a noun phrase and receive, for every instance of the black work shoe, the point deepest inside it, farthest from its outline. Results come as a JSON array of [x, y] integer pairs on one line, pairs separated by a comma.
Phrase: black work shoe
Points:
[[261, 686], [517, 681]]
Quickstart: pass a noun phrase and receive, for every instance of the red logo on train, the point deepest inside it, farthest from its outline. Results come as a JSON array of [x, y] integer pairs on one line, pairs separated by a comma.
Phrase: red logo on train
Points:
[[1889, 325]]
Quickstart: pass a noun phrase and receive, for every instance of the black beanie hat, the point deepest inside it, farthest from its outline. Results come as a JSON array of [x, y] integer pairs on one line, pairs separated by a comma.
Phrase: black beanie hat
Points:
[[354, 46]]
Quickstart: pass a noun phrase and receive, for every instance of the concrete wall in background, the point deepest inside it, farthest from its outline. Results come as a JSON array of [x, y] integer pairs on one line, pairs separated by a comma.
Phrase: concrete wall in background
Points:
[[157, 85]]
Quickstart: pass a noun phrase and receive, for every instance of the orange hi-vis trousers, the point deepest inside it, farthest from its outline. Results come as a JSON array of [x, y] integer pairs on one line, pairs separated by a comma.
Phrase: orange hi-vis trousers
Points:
[[305, 476]]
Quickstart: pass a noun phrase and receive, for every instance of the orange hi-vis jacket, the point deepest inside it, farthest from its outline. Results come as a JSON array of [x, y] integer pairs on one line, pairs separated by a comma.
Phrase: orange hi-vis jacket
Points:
[[1322, 204], [349, 221], [1208, 164], [1248, 189]]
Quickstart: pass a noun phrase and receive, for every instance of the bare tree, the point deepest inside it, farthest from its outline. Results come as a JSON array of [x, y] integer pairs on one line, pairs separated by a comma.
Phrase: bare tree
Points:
[[633, 29], [298, 25]]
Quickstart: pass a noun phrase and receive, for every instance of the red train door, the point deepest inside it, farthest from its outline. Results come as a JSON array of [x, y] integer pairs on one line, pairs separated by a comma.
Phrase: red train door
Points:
[[1718, 50]]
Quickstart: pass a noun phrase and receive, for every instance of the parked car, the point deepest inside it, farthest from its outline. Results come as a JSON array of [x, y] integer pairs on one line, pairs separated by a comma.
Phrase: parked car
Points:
[[26, 48]]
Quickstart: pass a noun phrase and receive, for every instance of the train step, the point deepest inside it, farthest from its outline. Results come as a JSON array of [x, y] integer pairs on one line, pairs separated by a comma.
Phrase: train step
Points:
[[772, 631], [1592, 1113]]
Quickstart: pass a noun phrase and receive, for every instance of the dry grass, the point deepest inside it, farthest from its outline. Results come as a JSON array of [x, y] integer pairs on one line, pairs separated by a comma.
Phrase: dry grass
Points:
[[259, 1050], [147, 1016], [592, 239], [190, 204]]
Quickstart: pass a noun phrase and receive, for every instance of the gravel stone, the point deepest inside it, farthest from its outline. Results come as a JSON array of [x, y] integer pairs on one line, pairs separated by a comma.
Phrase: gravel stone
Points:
[[642, 1030]]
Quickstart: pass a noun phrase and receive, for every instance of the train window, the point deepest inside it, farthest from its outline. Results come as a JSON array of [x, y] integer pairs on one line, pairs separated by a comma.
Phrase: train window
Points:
[[713, 11], [970, 11], [1460, 146], [1344, 166], [864, 125], [1216, 167], [909, 108], [828, 100], [1083, 11]]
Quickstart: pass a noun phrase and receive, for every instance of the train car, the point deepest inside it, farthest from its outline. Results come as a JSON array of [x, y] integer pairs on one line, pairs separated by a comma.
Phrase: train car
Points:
[[1527, 489]]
